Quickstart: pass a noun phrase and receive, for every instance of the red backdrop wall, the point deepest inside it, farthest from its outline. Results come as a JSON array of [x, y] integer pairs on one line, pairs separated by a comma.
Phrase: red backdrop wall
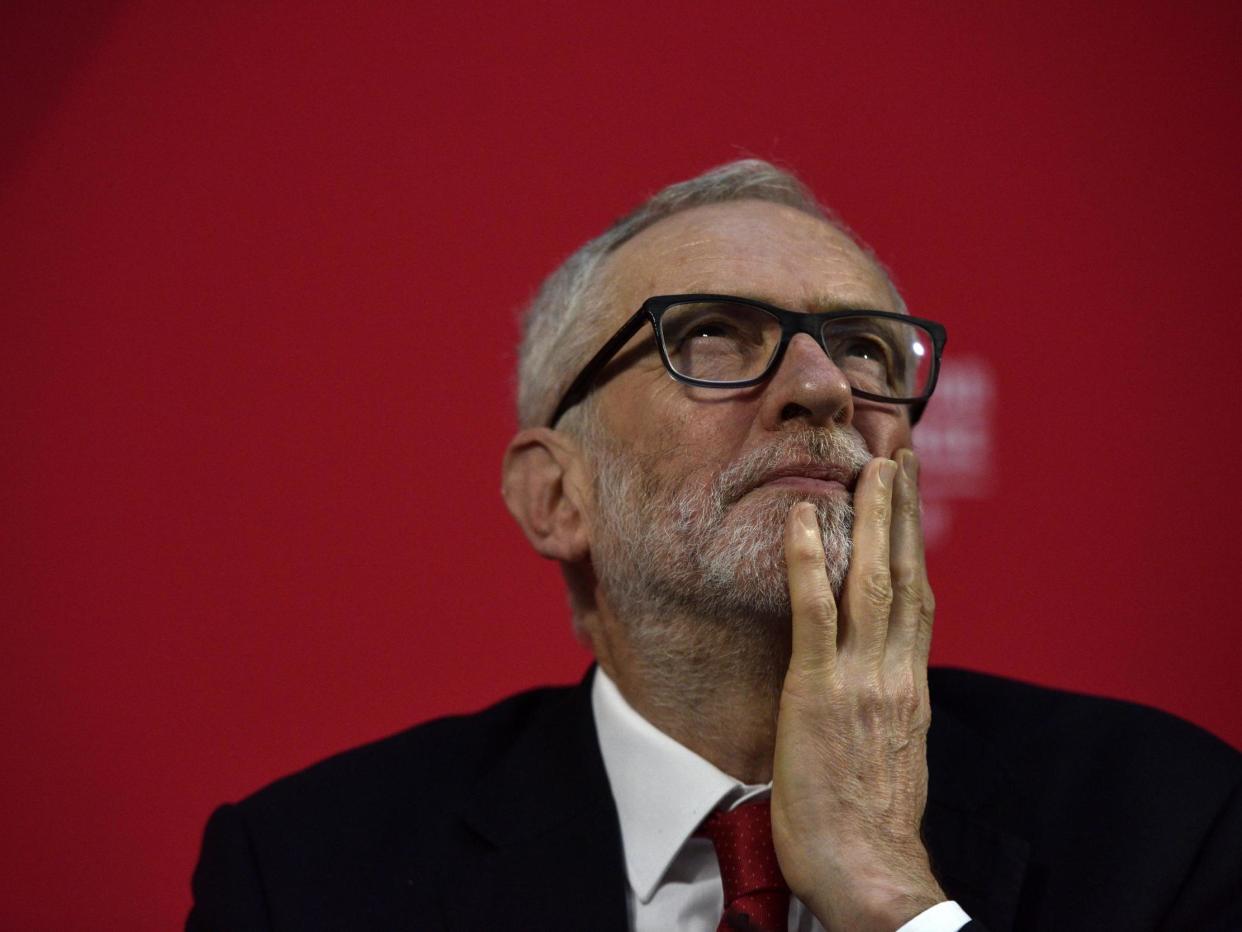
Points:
[[250, 460]]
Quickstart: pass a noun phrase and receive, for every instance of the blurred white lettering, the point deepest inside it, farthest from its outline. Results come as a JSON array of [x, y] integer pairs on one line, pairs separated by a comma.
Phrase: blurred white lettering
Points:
[[954, 441]]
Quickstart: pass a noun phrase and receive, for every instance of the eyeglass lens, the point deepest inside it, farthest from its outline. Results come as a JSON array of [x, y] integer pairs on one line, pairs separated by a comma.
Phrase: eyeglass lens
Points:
[[721, 341]]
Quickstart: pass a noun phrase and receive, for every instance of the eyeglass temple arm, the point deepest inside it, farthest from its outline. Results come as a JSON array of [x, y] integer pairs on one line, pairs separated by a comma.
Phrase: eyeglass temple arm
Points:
[[580, 386]]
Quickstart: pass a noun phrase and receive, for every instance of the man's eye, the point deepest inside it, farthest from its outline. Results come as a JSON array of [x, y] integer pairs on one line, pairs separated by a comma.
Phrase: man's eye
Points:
[[707, 329], [864, 349], [866, 361]]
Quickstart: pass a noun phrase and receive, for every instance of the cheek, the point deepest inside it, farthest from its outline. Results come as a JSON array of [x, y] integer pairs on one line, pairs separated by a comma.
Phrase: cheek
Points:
[[719, 426], [885, 430], [695, 441]]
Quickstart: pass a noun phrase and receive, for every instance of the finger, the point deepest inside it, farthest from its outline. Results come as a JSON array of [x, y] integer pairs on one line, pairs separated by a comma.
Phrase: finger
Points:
[[813, 607], [868, 593], [906, 565]]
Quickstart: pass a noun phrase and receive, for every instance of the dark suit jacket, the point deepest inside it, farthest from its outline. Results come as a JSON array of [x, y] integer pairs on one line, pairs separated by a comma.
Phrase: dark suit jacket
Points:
[[1046, 810]]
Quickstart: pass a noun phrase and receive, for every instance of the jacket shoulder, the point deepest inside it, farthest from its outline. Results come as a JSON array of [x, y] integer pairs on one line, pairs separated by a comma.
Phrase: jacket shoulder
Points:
[[1123, 816], [355, 840], [1025, 720], [1064, 761], [438, 758]]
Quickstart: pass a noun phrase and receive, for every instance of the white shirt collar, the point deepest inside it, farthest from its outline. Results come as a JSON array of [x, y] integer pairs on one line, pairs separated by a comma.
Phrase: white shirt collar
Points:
[[662, 789]]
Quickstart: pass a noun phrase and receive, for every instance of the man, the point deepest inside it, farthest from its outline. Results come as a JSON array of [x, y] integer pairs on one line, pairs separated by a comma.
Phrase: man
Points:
[[716, 400]]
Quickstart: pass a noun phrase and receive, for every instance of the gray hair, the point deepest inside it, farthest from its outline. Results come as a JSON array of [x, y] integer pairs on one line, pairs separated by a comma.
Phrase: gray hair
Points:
[[559, 328]]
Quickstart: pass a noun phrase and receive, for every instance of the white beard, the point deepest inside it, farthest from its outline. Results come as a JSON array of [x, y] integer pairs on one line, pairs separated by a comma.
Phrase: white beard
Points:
[[666, 547]]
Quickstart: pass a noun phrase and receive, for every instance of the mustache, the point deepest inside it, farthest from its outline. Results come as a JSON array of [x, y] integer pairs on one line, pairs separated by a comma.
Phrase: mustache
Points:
[[840, 448]]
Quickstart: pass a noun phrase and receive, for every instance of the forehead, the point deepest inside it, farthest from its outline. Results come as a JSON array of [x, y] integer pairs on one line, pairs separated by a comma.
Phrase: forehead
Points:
[[749, 248]]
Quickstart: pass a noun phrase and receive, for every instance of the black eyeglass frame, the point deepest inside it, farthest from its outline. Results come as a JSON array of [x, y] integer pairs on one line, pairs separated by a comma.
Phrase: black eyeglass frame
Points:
[[792, 323]]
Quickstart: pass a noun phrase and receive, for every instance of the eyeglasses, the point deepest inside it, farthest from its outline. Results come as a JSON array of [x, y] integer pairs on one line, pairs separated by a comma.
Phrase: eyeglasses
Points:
[[719, 341]]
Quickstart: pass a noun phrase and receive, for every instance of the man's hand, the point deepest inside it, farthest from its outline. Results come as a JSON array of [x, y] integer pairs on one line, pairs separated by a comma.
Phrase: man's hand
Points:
[[850, 771]]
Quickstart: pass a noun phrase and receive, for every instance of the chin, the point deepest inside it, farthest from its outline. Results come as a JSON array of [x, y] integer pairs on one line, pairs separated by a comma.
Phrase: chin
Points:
[[745, 562]]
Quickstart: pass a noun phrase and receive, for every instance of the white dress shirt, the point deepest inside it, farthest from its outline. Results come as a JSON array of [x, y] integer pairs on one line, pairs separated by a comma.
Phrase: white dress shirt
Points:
[[663, 790]]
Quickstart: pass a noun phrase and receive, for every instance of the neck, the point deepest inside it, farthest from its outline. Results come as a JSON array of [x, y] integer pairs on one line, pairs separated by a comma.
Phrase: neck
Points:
[[712, 686]]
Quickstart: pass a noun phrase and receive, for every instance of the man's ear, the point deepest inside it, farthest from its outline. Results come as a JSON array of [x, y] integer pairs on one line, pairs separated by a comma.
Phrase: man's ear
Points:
[[543, 483]]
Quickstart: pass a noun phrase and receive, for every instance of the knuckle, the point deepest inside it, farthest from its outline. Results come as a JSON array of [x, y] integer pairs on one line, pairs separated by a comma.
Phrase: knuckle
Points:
[[818, 610], [905, 573], [870, 699], [806, 549], [877, 589], [882, 509], [908, 701], [806, 553], [909, 508]]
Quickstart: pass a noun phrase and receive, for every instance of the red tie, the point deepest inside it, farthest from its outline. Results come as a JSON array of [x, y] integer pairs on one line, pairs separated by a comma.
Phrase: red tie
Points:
[[756, 898]]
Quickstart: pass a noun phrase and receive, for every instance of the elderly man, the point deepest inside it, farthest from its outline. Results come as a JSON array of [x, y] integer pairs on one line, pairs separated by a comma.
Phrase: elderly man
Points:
[[716, 399]]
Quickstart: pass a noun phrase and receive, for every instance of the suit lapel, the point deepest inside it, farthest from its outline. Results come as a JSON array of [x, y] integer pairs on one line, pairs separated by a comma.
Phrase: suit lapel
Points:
[[551, 853]]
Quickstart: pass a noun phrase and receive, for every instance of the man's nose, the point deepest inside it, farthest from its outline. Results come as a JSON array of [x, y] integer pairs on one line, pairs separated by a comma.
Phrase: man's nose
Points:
[[807, 386]]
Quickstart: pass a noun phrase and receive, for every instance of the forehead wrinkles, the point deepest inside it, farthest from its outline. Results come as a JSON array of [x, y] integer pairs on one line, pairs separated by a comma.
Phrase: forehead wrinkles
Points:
[[752, 246]]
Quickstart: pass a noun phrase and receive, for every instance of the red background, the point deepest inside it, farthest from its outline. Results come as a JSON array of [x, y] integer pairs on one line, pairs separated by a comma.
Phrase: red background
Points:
[[260, 270]]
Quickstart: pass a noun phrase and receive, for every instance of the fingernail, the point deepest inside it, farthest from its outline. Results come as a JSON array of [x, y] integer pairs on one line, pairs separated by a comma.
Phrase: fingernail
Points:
[[888, 469], [910, 466], [806, 517]]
